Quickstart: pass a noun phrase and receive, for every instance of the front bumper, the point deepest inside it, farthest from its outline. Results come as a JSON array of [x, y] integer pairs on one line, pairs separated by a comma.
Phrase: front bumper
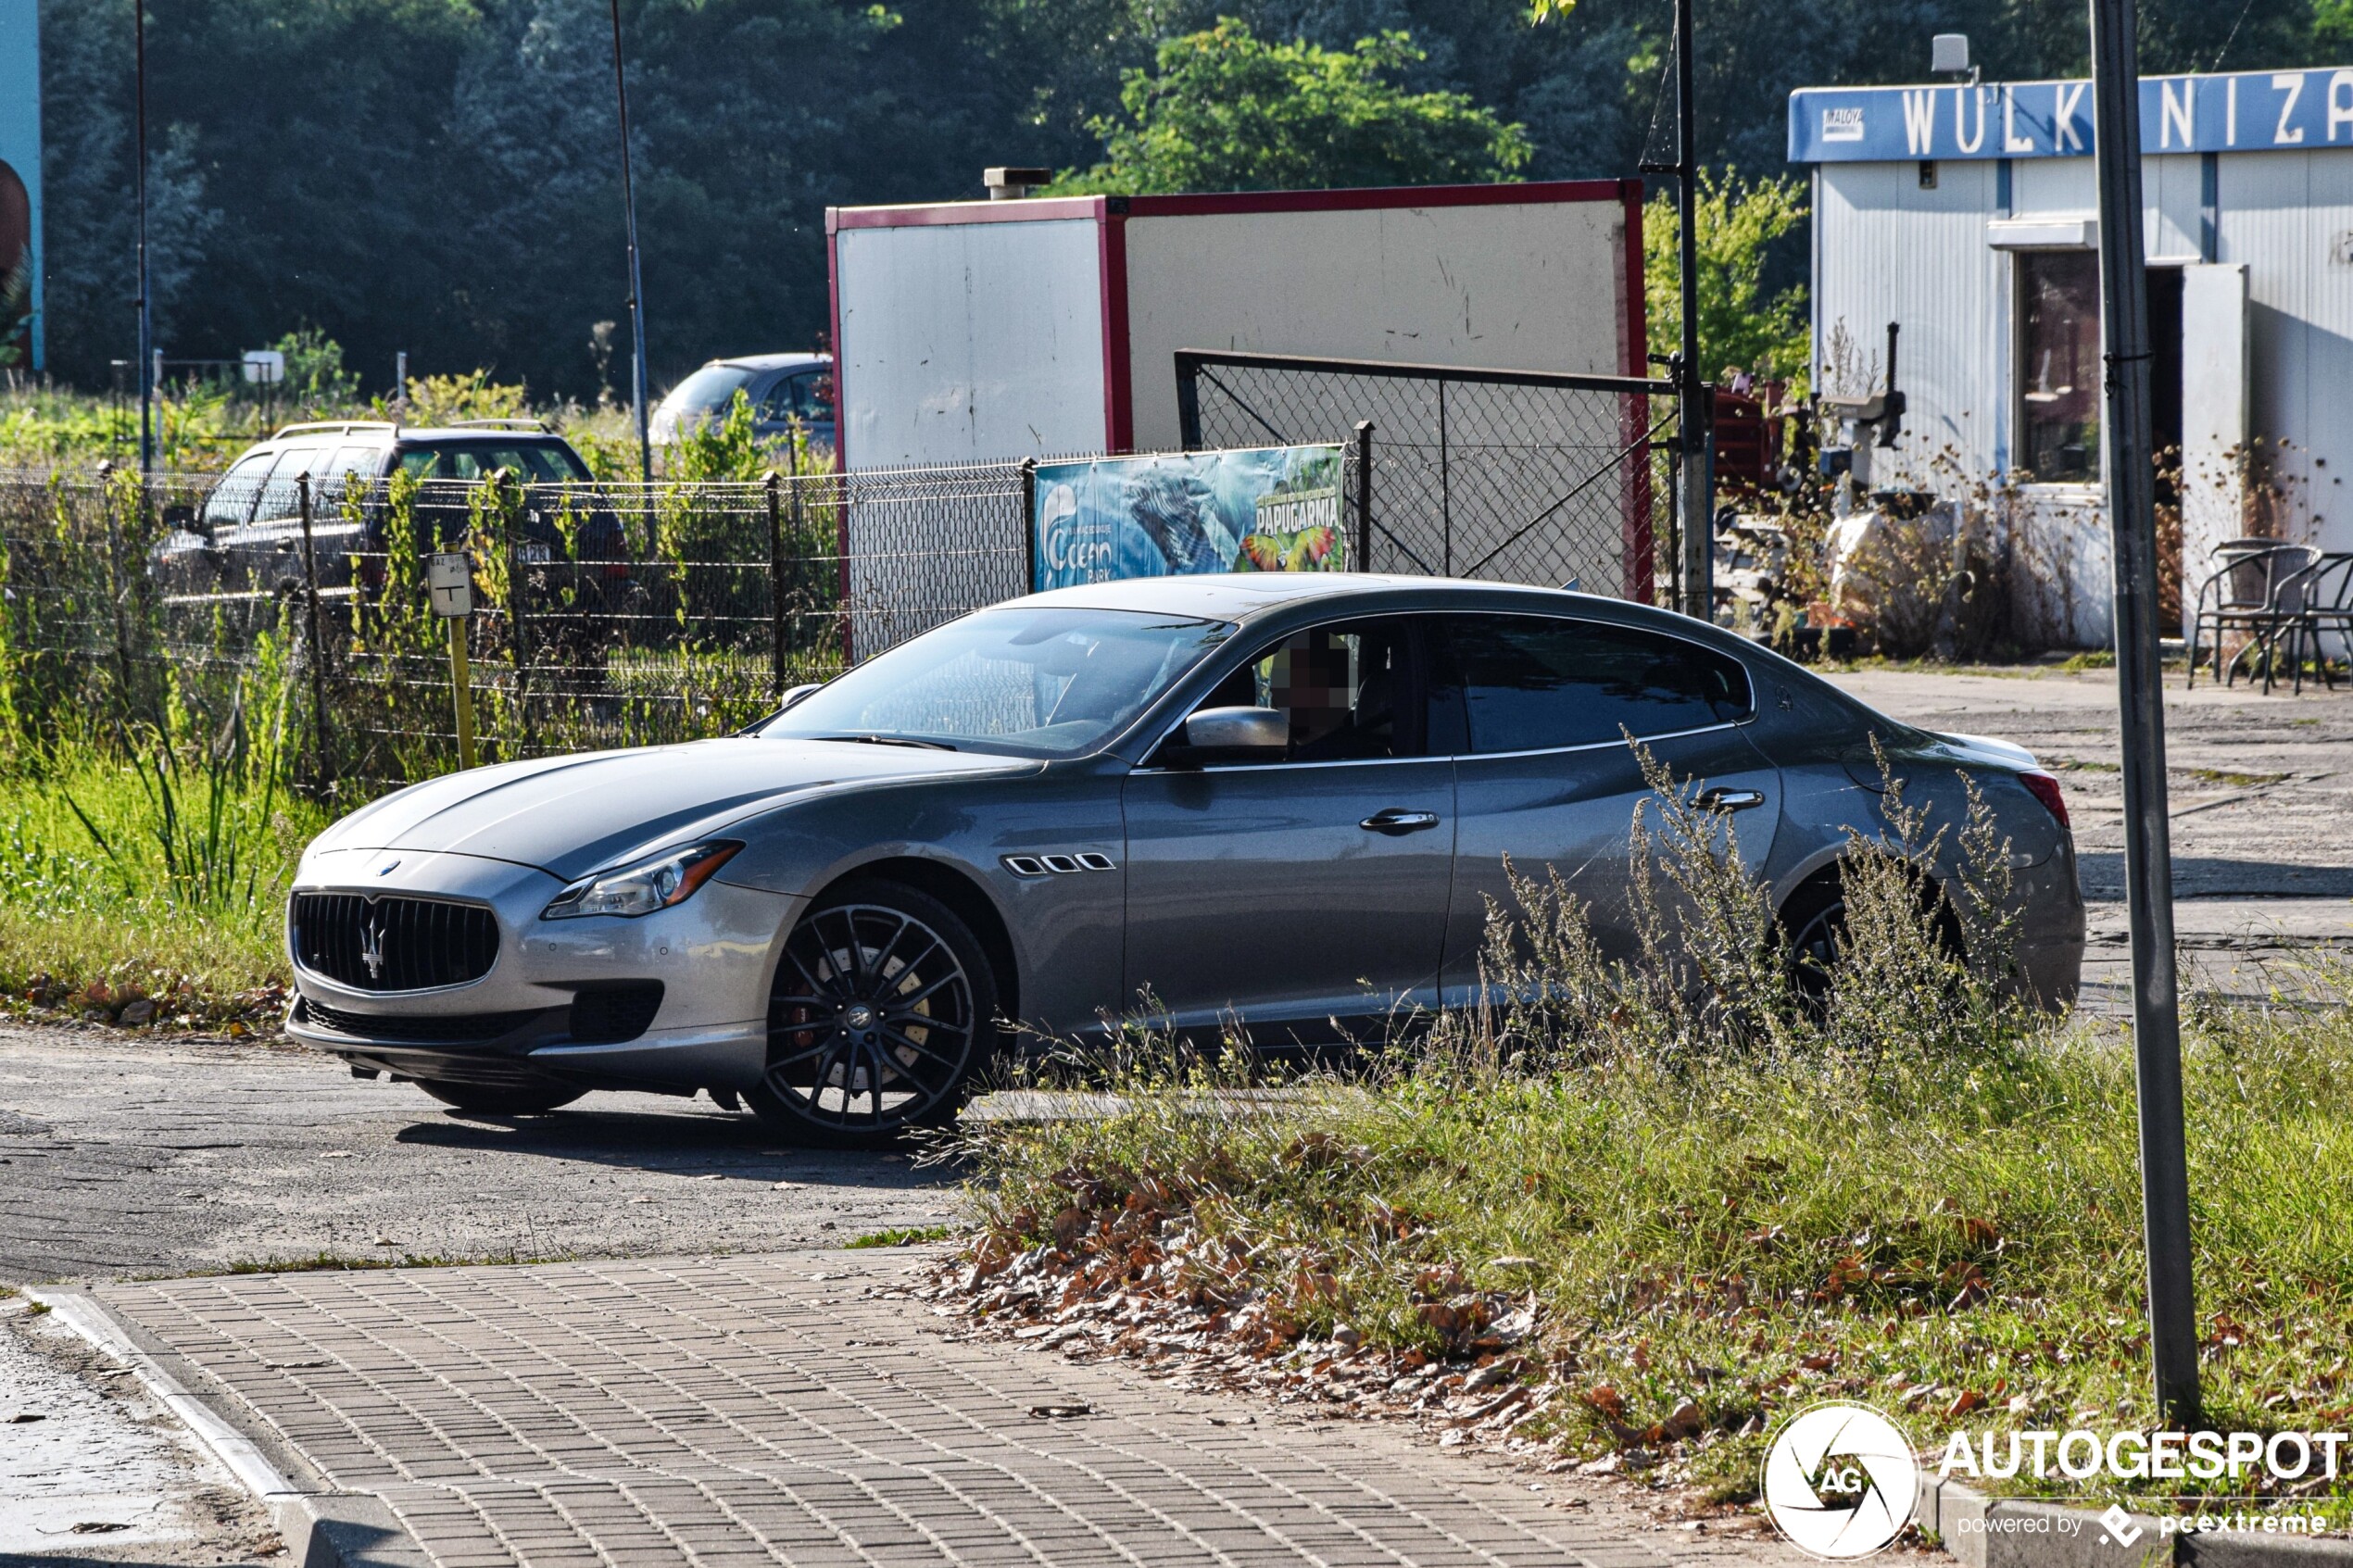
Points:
[[712, 958]]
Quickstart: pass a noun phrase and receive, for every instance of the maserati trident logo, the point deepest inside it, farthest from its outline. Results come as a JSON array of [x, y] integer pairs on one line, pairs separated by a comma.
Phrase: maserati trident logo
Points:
[[372, 948]]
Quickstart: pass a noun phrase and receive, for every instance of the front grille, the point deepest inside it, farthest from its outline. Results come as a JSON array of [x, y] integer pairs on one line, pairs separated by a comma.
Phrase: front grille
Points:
[[611, 1011], [391, 944], [420, 1029]]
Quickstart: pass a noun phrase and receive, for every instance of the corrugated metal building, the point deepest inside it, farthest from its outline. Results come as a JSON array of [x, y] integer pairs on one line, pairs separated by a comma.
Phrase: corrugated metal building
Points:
[[1967, 214]]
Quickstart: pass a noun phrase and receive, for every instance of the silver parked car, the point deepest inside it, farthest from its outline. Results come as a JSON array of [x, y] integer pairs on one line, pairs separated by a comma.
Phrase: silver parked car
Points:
[[1281, 798]]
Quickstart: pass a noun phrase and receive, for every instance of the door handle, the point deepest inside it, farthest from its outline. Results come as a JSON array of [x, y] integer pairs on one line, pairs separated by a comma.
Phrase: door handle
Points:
[[1731, 799], [1396, 821]]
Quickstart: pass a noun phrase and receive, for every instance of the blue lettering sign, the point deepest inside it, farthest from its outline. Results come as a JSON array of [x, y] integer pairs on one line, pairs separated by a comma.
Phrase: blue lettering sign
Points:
[[2244, 112]]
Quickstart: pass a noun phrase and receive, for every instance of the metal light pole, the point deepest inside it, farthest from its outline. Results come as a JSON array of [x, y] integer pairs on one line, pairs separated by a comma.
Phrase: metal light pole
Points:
[[1692, 414], [2149, 857], [636, 279], [147, 314]]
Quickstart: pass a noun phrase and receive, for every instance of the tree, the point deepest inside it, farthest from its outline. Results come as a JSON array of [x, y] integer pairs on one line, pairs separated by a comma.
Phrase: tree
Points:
[[1741, 321], [1224, 110], [89, 225]]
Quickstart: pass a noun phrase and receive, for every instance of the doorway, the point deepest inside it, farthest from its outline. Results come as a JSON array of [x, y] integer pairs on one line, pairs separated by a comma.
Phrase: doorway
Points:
[[2165, 434]]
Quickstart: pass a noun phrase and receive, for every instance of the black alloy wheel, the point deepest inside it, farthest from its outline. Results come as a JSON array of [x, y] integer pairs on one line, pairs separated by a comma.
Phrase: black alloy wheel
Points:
[[1814, 926], [881, 1010]]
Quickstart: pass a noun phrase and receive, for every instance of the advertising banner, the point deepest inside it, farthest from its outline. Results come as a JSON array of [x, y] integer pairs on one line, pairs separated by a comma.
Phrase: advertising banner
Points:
[[1272, 509], [20, 183]]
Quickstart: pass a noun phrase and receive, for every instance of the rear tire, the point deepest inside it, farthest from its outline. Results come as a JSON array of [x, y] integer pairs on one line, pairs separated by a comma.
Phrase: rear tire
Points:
[[500, 1100], [1814, 935], [882, 1010]]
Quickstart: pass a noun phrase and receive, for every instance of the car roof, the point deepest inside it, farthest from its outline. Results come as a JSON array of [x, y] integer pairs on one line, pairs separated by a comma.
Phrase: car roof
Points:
[[380, 434], [446, 437], [774, 361], [1240, 596]]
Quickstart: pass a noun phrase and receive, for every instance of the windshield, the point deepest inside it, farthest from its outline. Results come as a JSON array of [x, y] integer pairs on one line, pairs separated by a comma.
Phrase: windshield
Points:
[[1033, 683], [708, 390]]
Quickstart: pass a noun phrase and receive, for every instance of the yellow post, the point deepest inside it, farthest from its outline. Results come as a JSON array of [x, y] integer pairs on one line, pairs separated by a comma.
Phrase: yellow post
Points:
[[462, 686]]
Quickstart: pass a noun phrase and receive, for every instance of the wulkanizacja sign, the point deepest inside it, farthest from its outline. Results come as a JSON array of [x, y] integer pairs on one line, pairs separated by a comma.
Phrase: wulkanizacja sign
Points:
[[1271, 509], [2241, 111]]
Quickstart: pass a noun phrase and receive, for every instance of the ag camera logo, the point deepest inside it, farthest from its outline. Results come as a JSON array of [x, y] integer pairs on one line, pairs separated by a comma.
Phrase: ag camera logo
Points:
[[1840, 1481]]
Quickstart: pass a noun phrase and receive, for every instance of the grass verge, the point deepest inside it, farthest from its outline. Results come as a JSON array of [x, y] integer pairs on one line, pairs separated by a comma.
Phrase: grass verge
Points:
[[139, 889], [1638, 1209], [903, 1235]]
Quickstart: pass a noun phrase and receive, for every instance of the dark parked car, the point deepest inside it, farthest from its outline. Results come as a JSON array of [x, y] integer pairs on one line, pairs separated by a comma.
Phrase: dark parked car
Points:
[[244, 540], [782, 388]]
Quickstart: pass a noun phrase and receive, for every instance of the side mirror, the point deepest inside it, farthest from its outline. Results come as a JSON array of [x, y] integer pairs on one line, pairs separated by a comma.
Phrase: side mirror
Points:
[[181, 516], [795, 694], [1251, 734]]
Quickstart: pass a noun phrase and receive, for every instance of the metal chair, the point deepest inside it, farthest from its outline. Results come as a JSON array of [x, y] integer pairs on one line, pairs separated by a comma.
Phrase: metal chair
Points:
[[2324, 594], [2252, 588]]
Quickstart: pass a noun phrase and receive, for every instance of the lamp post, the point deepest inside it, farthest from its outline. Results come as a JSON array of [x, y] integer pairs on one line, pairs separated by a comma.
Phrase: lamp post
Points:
[[636, 279], [146, 313], [1693, 418], [2149, 855]]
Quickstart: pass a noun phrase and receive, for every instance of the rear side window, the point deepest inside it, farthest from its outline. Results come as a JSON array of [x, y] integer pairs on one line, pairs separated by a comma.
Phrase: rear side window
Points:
[[1525, 683], [361, 461], [807, 395], [279, 498], [232, 499]]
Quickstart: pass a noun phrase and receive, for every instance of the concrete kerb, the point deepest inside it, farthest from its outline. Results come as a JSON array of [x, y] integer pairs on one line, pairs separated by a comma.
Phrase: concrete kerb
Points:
[[322, 1529], [1991, 1531]]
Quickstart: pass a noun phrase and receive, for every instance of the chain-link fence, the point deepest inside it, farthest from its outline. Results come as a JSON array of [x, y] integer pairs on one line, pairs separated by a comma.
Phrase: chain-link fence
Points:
[[608, 614], [1508, 475], [604, 614]]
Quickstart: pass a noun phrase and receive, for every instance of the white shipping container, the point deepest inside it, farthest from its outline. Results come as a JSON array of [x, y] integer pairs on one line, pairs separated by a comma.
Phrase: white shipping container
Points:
[[973, 332]]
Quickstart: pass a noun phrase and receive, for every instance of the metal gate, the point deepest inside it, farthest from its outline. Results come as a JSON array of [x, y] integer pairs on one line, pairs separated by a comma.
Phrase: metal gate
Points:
[[1512, 476]]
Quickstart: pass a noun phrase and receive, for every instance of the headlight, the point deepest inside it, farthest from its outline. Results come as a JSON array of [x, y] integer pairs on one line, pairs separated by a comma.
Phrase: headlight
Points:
[[641, 889]]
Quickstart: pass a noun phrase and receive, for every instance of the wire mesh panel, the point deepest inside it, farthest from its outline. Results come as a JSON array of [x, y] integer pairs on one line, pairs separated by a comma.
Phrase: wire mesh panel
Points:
[[925, 545], [603, 614], [1504, 476]]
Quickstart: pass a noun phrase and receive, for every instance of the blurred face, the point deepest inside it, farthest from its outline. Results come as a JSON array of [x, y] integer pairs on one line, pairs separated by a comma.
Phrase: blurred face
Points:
[[1309, 680]]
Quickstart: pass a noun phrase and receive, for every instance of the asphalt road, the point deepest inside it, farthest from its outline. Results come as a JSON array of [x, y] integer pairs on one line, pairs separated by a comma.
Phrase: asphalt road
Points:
[[125, 1156], [2262, 788]]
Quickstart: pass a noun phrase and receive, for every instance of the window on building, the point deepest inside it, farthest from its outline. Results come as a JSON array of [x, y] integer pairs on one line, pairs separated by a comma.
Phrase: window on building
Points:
[[2058, 368]]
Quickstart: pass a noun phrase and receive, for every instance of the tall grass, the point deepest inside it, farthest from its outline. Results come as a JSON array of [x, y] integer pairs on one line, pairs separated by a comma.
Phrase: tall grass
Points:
[[1690, 1195], [146, 862]]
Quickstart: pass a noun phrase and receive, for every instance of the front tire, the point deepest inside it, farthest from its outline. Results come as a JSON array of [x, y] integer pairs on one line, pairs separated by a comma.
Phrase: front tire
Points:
[[882, 1010], [500, 1100]]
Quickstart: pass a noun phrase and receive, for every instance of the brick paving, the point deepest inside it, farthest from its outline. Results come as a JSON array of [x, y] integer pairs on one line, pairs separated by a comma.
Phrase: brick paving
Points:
[[798, 1409]]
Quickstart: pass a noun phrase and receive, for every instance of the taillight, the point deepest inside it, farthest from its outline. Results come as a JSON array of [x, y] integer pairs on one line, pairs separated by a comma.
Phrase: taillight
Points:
[[2045, 788]]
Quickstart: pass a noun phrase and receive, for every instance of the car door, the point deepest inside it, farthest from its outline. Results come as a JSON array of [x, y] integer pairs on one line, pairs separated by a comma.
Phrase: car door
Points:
[[1539, 708], [264, 554], [1288, 893]]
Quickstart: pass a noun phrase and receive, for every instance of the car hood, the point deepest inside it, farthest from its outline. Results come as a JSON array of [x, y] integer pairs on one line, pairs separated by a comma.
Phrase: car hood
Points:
[[571, 815]]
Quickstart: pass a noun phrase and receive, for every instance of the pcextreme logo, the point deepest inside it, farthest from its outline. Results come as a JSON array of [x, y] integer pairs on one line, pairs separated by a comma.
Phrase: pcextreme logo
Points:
[[1840, 1481]]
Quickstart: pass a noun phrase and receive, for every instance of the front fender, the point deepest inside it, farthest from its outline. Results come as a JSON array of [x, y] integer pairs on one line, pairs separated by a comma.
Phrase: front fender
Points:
[[1065, 931]]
